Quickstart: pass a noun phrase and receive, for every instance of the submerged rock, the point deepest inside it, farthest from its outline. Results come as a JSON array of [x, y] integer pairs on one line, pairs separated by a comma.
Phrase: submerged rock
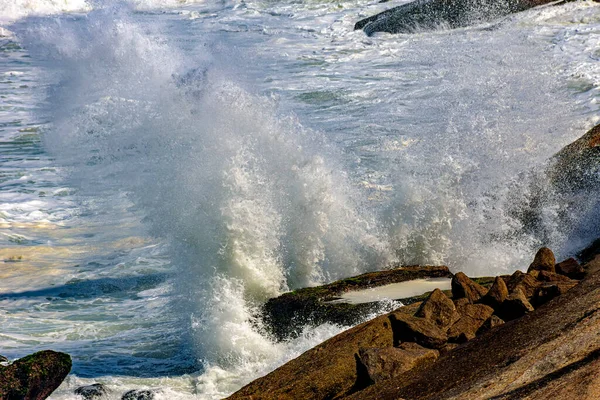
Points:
[[423, 15], [285, 316], [34, 377], [89, 392], [138, 395]]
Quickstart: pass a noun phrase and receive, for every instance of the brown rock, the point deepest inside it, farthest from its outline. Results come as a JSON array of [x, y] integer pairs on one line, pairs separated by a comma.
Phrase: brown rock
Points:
[[34, 377], [462, 286], [473, 316], [326, 371], [388, 362], [544, 261], [439, 309], [408, 328], [515, 306], [526, 282], [489, 324], [570, 268], [448, 347], [546, 293], [496, 295], [545, 276]]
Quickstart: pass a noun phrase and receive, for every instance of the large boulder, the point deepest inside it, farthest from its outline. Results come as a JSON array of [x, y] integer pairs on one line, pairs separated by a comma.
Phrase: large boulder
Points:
[[463, 287], [327, 371], [570, 268], [526, 282], [439, 309], [544, 261], [408, 328], [286, 316], [496, 295], [422, 15], [472, 318], [515, 306], [34, 377], [388, 362]]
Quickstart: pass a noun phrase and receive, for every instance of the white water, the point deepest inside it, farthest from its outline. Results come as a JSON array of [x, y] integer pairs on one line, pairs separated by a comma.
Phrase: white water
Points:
[[195, 161]]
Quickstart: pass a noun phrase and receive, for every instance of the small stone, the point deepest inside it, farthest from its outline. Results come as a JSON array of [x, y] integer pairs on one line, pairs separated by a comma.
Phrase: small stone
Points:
[[544, 261], [515, 306], [389, 362], [489, 324], [93, 391], [138, 395], [473, 316], [407, 328], [462, 286], [496, 295], [571, 268], [439, 309]]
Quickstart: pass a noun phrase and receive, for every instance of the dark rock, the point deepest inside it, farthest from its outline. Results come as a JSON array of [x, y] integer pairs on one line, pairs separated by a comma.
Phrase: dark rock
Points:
[[472, 318], [3, 359], [326, 371], [490, 324], [462, 286], [407, 328], [138, 395], [286, 316], [545, 276], [34, 377], [439, 309], [570, 268], [448, 347], [546, 293], [432, 14], [544, 261], [515, 306], [526, 282], [496, 295], [388, 362], [89, 392], [460, 304]]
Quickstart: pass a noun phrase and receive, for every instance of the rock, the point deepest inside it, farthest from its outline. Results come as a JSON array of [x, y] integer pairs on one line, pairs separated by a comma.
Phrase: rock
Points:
[[544, 261], [93, 391], [515, 306], [138, 395], [570, 268], [496, 295], [545, 276], [388, 362], [407, 328], [553, 353], [448, 347], [462, 286], [439, 309], [287, 315], [328, 370], [34, 377], [546, 293], [460, 304], [3, 359], [526, 282], [490, 324], [472, 318], [423, 15]]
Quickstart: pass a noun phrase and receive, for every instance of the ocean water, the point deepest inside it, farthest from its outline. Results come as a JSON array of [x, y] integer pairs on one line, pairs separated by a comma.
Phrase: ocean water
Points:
[[166, 166]]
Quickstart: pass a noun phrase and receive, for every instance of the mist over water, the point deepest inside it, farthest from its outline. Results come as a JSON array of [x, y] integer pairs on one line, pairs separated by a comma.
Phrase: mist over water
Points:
[[264, 155]]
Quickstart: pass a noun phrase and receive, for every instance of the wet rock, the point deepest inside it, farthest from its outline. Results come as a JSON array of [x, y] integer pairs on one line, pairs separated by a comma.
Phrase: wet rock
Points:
[[138, 395], [439, 309], [570, 268], [515, 306], [432, 14], [472, 318], [489, 324], [388, 362], [544, 261], [407, 328], [287, 315], [496, 295], [526, 282], [34, 377], [326, 371], [89, 392], [463, 287]]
